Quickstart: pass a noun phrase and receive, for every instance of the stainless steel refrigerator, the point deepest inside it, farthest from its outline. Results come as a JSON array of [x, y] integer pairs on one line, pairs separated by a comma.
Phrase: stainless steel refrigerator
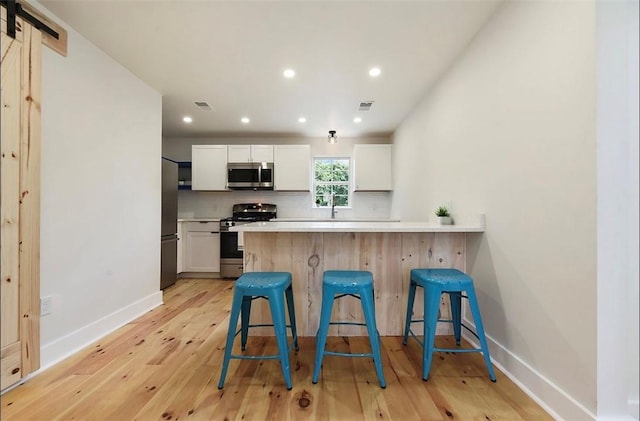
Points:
[[169, 231]]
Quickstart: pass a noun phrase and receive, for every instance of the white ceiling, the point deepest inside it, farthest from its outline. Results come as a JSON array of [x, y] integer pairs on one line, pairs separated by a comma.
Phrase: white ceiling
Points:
[[231, 54]]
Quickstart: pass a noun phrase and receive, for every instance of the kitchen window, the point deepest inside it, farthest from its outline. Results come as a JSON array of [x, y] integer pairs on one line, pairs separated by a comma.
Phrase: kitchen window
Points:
[[331, 178]]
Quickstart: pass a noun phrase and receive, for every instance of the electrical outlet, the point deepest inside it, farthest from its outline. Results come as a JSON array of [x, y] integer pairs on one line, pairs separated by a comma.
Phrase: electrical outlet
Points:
[[46, 305]]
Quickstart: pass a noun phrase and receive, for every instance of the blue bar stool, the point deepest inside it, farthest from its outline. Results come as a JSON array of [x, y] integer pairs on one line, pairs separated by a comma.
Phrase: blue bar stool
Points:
[[358, 284], [435, 282], [272, 286]]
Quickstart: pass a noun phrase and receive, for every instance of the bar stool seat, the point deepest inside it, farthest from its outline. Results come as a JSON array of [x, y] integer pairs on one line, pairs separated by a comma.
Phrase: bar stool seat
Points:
[[435, 282], [274, 287], [358, 284]]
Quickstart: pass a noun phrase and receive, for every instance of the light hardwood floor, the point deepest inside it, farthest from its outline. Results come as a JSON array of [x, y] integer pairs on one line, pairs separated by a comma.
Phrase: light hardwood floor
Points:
[[166, 364]]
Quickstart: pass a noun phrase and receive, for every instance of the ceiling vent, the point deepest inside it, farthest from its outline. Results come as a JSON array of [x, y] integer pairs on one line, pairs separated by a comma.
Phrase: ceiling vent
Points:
[[203, 106], [365, 106]]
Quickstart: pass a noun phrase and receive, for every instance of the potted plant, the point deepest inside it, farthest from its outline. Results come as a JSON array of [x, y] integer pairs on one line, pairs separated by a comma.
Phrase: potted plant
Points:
[[444, 217]]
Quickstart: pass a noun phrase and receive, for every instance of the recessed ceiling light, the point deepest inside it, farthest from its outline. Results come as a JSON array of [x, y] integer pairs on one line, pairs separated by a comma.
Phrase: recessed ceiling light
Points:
[[357, 120], [187, 119], [289, 73], [302, 120], [375, 72], [245, 120]]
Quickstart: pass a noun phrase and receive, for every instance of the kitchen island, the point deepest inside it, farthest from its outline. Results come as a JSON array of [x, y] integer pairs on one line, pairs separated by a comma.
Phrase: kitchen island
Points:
[[387, 249]]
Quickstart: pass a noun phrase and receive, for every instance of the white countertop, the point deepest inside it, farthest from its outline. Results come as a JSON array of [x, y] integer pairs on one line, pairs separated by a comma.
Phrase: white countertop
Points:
[[471, 225], [198, 219]]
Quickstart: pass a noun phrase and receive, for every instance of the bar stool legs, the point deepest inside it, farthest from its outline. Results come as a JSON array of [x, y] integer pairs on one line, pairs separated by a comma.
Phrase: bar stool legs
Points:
[[335, 285], [276, 288], [480, 333], [245, 314], [280, 327], [435, 282], [233, 322], [374, 337], [323, 330]]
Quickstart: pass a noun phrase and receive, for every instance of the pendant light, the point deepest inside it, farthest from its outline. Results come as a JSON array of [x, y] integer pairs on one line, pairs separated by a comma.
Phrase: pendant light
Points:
[[333, 138]]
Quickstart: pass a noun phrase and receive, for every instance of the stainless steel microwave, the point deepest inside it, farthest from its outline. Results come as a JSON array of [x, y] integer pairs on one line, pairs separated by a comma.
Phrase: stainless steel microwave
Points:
[[250, 175]]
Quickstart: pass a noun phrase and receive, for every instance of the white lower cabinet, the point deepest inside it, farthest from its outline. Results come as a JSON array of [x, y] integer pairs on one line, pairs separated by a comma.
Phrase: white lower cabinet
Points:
[[181, 232], [202, 247]]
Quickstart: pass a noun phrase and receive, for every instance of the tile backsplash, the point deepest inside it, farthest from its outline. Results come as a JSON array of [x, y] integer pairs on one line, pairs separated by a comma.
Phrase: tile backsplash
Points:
[[202, 204]]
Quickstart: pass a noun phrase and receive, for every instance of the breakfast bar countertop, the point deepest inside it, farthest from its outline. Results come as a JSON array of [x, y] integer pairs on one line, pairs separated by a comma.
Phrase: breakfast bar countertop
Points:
[[470, 224]]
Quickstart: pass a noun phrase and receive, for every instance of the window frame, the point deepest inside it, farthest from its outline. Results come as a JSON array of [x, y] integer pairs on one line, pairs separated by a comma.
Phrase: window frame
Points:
[[349, 182]]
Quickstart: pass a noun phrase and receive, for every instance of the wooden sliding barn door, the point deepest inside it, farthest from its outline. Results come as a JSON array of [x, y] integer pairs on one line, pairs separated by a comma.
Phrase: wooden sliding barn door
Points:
[[20, 201]]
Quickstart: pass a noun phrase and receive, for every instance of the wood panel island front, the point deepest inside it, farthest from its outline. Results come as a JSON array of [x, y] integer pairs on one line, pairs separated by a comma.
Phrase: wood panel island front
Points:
[[389, 250]]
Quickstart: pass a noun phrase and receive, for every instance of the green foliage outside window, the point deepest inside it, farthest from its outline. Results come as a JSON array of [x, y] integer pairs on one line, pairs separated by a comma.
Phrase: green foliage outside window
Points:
[[331, 176]]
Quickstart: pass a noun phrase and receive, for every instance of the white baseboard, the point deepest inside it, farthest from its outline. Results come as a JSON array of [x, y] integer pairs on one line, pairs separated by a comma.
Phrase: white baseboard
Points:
[[64, 347], [558, 403]]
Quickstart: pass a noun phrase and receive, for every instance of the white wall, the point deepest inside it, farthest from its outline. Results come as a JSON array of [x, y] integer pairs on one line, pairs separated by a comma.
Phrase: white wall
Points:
[[509, 131], [101, 149], [617, 47], [290, 204]]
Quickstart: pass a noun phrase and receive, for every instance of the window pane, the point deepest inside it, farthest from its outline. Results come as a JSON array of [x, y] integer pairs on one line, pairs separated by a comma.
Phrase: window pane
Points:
[[323, 170], [320, 201], [324, 175], [342, 200], [341, 189], [341, 174], [341, 170]]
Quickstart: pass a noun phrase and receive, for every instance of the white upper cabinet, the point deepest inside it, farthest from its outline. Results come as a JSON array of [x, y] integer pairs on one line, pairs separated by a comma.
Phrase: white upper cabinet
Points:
[[372, 167], [250, 153], [239, 153], [292, 167], [262, 153], [209, 167]]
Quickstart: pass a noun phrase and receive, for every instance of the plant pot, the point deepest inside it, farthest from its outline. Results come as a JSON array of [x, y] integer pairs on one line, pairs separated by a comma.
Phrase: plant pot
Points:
[[445, 220]]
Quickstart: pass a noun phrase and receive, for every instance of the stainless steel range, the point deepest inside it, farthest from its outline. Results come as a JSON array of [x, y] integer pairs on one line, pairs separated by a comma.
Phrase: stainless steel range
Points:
[[231, 262]]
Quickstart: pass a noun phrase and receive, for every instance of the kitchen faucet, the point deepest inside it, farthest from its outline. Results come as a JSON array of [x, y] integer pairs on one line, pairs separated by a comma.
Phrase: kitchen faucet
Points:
[[333, 206]]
